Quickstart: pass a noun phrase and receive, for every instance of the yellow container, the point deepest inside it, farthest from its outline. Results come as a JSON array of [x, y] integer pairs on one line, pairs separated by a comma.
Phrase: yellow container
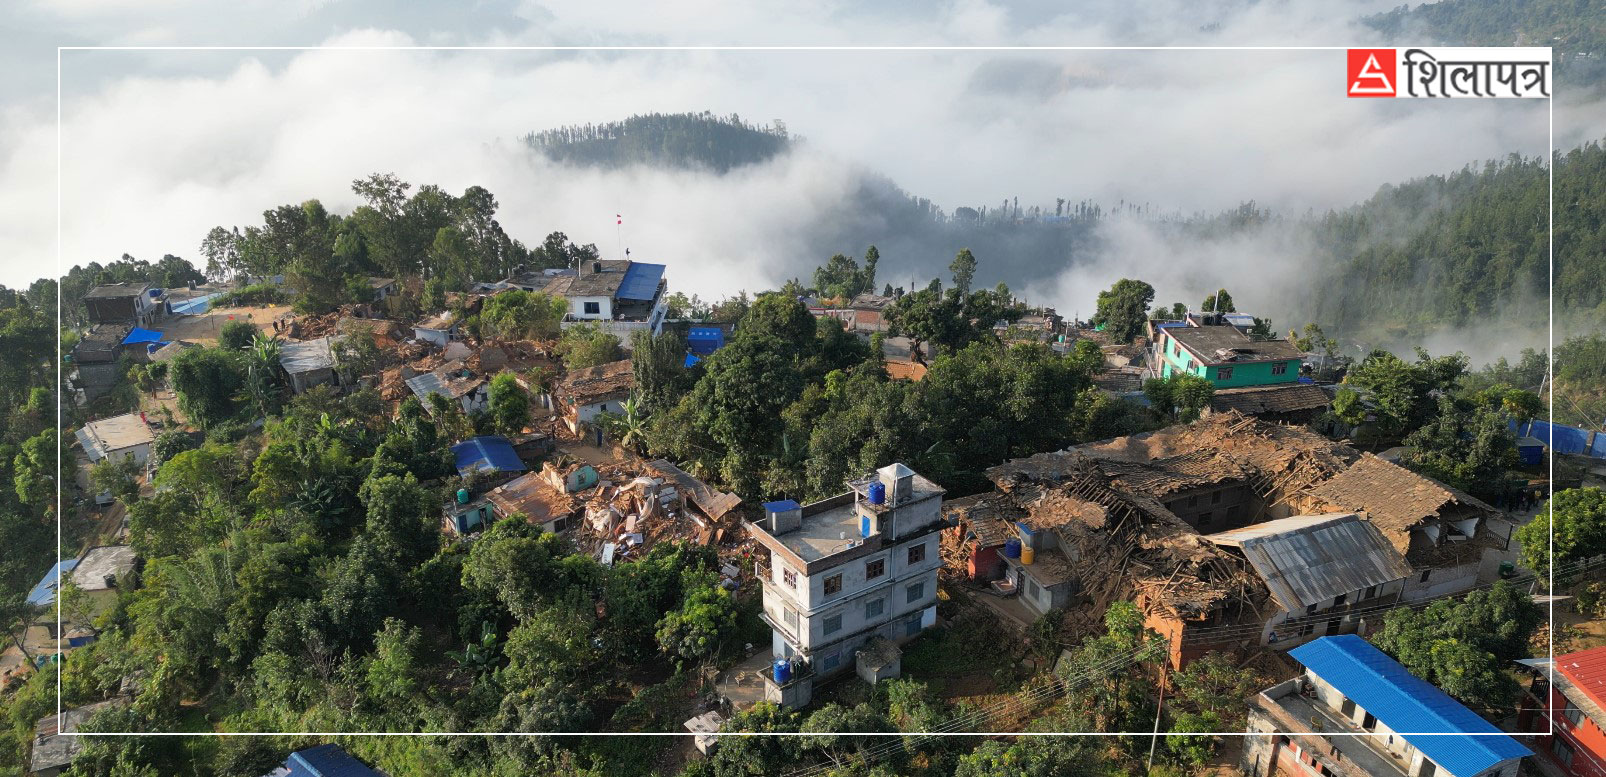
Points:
[[1027, 554]]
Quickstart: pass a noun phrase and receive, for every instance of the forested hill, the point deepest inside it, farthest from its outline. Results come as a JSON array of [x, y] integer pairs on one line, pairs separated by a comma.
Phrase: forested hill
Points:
[[1575, 28], [677, 140], [1466, 248]]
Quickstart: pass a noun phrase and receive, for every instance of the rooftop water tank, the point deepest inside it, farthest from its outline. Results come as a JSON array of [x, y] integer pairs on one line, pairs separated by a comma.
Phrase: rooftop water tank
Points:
[[878, 493], [783, 671], [1012, 549], [462, 496]]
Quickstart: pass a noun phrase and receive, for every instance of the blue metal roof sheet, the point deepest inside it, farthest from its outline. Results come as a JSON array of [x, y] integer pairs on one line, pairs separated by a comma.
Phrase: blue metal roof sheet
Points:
[[641, 281], [44, 592], [781, 506], [491, 452], [1406, 703], [327, 761], [142, 336]]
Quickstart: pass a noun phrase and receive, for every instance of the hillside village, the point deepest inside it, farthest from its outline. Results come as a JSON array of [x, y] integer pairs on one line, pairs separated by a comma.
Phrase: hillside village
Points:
[[575, 498]]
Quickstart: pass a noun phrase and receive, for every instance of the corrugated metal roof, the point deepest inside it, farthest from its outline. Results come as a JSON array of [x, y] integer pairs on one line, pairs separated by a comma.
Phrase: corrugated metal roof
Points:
[[1310, 559], [1408, 705], [641, 281], [298, 356], [491, 452], [327, 761], [44, 592], [1587, 670]]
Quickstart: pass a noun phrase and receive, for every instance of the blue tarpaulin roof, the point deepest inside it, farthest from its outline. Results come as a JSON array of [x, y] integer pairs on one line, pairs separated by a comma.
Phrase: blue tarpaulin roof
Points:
[[195, 306], [691, 359], [705, 340], [45, 591], [641, 281], [781, 506], [1408, 705], [492, 452], [327, 761], [142, 336]]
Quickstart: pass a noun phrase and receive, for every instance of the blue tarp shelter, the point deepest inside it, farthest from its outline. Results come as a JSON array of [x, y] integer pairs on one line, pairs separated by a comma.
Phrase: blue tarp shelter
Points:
[[1564, 439], [491, 453], [44, 592], [142, 336], [705, 340], [327, 761], [691, 359], [1412, 708]]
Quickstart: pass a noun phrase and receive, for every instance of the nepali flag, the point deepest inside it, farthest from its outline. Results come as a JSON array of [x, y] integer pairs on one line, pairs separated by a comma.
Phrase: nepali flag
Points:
[[621, 219]]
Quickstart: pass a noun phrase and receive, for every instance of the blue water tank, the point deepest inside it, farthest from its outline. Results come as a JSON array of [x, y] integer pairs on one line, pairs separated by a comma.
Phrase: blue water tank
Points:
[[1012, 548], [864, 526], [878, 494], [783, 671]]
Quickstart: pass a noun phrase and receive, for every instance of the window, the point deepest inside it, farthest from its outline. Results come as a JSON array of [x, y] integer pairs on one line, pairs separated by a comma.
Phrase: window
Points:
[[1369, 722], [915, 592], [790, 618], [1424, 577], [1311, 610], [1280, 368], [1215, 498], [875, 569], [1371, 591], [1428, 769], [789, 576], [911, 627], [1204, 520], [1223, 373], [1339, 601], [1190, 364], [833, 623], [1347, 709], [873, 608], [833, 585], [593, 308], [917, 553], [1574, 715], [832, 661], [1562, 751]]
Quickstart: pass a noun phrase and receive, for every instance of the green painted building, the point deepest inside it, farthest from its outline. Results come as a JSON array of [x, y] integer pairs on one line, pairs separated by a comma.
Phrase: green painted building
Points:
[[1225, 356]]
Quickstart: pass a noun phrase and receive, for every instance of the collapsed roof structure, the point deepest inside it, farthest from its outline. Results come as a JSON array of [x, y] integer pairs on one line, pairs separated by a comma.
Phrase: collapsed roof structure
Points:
[[1143, 516]]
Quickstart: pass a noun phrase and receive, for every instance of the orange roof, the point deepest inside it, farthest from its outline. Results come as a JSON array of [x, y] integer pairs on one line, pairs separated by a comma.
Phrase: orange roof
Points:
[[1587, 671], [902, 370]]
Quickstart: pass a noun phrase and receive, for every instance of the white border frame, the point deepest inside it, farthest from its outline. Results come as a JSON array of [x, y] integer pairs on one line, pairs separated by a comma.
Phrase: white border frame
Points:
[[1154, 735]]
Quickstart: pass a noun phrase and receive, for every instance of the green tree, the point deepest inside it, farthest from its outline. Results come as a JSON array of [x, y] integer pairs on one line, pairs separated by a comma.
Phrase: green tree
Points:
[[1471, 451], [964, 269], [1579, 530], [118, 476], [510, 404], [1122, 308], [1182, 395], [356, 354], [587, 345], [237, 335], [706, 618], [1403, 393], [1465, 646], [659, 363], [1220, 302], [521, 315], [206, 381]]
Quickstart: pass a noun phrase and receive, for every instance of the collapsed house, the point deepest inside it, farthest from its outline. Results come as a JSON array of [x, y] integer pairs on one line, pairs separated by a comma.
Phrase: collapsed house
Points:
[[585, 394], [1287, 403], [308, 363], [1182, 521], [455, 381]]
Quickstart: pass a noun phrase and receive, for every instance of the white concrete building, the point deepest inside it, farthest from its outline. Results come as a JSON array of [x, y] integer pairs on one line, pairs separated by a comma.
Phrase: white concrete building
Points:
[[846, 569], [117, 437]]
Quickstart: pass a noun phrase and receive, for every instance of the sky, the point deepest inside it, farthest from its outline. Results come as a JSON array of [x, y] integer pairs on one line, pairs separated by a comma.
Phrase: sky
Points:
[[157, 147]]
